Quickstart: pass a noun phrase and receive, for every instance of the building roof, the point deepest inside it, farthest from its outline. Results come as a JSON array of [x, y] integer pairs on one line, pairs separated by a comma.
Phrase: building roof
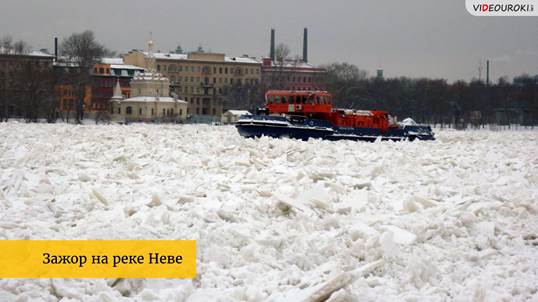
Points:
[[239, 112], [112, 61], [123, 66], [32, 53], [150, 76], [151, 99], [181, 56]]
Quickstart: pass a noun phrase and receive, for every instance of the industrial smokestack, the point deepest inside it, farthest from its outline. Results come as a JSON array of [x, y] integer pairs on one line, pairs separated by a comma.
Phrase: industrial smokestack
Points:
[[305, 45], [487, 72], [272, 50], [56, 48]]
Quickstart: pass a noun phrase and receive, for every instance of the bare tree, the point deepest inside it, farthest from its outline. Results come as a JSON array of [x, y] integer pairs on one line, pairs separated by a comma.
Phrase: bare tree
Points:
[[282, 53], [81, 52], [21, 47], [6, 44]]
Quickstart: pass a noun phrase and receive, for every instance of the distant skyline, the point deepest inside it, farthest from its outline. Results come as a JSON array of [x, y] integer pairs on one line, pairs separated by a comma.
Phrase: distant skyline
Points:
[[436, 39]]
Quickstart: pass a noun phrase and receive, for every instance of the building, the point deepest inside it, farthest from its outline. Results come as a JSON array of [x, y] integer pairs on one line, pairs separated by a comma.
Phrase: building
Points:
[[149, 101], [104, 78], [203, 79], [16, 68], [288, 74], [99, 91], [232, 116], [292, 75]]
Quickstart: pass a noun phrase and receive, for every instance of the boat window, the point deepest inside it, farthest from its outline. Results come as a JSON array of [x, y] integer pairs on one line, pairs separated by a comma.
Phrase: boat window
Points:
[[303, 99], [270, 99], [284, 100], [318, 100], [277, 99]]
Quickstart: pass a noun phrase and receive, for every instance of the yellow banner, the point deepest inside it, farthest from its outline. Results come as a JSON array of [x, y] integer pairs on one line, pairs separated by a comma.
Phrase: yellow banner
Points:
[[97, 258]]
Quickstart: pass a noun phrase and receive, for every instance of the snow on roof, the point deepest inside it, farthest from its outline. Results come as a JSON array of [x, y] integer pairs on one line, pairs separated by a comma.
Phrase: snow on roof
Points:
[[168, 56], [182, 56], [112, 61], [294, 65], [32, 53], [150, 99], [122, 66], [150, 76], [38, 53], [241, 60], [239, 112]]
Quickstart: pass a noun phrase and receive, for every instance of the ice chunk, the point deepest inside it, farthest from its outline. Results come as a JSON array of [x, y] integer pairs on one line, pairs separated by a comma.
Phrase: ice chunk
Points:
[[401, 236]]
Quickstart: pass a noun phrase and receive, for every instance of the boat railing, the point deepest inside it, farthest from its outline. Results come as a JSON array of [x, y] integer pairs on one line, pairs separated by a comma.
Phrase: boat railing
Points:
[[263, 118]]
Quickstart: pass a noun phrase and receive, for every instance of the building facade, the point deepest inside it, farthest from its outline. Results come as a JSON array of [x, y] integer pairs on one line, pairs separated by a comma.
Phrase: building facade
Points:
[[104, 78], [292, 75], [202, 79], [15, 71], [149, 101]]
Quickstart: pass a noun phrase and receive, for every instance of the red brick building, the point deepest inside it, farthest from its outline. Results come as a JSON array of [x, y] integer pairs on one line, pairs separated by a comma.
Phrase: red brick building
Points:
[[292, 75], [295, 74]]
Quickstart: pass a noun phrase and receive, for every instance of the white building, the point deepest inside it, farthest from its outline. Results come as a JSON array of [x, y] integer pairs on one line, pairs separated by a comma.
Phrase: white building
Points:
[[232, 116], [149, 101]]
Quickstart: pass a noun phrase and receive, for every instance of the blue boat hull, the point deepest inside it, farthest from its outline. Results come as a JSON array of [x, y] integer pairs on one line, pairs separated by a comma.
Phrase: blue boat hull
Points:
[[279, 127]]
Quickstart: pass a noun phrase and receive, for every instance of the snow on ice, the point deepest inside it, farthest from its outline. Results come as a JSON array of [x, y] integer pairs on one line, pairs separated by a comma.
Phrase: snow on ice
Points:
[[279, 219]]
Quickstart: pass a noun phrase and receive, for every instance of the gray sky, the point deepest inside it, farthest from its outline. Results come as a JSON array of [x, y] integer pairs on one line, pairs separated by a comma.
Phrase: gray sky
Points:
[[414, 38]]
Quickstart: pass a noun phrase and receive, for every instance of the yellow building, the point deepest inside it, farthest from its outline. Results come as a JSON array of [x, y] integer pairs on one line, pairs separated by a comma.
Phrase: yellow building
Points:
[[202, 79]]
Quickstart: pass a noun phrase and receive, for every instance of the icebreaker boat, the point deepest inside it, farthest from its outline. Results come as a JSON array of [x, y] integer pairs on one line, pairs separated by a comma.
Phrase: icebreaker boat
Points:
[[310, 114]]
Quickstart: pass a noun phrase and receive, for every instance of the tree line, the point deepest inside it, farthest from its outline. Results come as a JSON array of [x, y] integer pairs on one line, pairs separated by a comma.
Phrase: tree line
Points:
[[435, 101]]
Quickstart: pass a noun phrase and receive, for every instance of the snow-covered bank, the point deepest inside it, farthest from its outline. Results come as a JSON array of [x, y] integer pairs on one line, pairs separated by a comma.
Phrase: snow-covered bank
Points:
[[276, 220]]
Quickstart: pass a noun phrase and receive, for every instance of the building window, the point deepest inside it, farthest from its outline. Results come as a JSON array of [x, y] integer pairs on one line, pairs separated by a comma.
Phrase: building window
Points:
[[152, 111], [129, 110], [119, 110], [226, 70], [180, 111], [140, 111], [164, 112], [158, 67], [220, 70], [172, 111]]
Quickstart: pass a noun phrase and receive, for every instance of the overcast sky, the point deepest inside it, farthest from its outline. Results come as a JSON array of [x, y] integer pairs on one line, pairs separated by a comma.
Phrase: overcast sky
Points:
[[417, 38]]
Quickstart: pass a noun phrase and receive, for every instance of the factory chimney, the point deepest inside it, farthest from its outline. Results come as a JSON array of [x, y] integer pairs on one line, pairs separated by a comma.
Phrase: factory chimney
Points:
[[272, 50], [56, 49], [305, 45]]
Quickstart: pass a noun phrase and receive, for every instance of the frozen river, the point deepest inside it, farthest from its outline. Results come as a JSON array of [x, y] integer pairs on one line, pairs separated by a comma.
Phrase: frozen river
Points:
[[279, 219]]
